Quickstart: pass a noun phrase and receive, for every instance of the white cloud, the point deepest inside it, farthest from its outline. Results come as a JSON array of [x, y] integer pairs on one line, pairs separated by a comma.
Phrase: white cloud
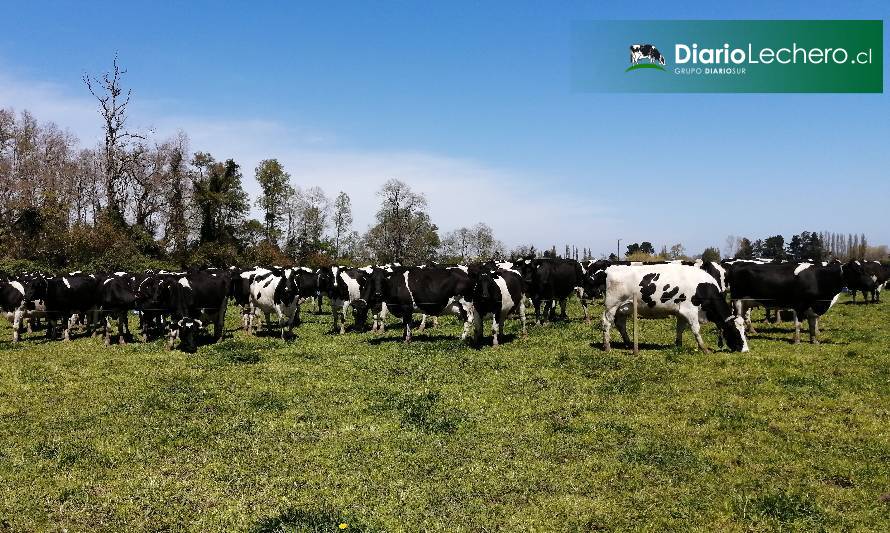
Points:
[[520, 208]]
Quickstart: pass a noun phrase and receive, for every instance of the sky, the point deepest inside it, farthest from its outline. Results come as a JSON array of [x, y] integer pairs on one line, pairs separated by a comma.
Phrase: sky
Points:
[[472, 104]]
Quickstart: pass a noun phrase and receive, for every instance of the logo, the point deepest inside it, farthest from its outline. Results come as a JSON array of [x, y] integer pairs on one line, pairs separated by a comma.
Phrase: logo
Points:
[[640, 51]]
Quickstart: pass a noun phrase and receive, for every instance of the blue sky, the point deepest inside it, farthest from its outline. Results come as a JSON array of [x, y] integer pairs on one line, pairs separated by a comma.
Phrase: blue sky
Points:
[[472, 104]]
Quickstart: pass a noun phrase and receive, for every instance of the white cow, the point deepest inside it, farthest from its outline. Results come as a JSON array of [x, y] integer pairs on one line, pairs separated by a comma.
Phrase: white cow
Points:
[[663, 290]]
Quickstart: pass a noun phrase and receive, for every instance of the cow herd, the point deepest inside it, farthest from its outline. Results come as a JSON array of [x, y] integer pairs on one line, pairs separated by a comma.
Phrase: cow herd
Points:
[[184, 305]]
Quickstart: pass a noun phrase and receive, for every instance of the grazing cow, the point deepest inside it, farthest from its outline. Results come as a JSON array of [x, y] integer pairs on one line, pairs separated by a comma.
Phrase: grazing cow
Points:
[[662, 290], [429, 290], [65, 296], [807, 289], [551, 280], [344, 288], [116, 297], [276, 291], [639, 51], [498, 292], [196, 299]]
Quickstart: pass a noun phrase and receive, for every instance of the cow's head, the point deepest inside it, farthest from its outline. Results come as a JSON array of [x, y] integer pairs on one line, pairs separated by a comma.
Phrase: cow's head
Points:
[[854, 275], [594, 283], [189, 332], [482, 286], [734, 333]]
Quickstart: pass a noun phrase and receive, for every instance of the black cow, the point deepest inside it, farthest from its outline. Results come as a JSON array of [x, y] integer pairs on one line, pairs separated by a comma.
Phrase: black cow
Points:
[[869, 277], [196, 299], [65, 296], [116, 297], [806, 288], [497, 292], [550, 280], [429, 290]]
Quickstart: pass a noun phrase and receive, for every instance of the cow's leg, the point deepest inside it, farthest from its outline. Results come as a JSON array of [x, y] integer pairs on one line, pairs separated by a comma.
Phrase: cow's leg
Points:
[[122, 328], [268, 318], [813, 320], [621, 326], [334, 327], [296, 320], [522, 317], [342, 311], [406, 322], [422, 322], [66, 324], [171, 338], [608, 319], [318, 304], [477, 328], [537, 305], [16, 325], [106, 330], [796, 327], [681, 325], [696, 331], [584, 304], [562, 309], [29, 326]]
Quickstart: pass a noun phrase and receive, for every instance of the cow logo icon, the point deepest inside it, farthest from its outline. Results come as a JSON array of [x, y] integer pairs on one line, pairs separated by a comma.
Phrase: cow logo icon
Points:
[[640, 51]]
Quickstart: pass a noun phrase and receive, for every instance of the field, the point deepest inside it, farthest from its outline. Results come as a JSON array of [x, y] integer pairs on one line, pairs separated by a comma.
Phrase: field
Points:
[[544, 433]]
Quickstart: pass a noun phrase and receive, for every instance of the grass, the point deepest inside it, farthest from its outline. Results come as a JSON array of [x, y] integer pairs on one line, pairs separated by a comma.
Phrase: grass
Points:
[[543, 433]]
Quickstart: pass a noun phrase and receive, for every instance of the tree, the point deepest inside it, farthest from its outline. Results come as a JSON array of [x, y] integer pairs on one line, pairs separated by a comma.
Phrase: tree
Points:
[[342, 220], [677, 251], [745, 250], [307, 221], [177, 199], [113, 102], [276, 192], [773, 247], [403, 232], [711, 253], [219, 197]]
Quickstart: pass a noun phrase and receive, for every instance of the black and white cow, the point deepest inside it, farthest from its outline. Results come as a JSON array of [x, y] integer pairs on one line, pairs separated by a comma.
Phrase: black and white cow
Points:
[[66, 296], [343, 287], [497, 292], [550, 281], [14, 298], [432, 291], [277, 291], [808, 289], [197, 299], [116, 297], [639, 51], [867, 277], [663, 290]]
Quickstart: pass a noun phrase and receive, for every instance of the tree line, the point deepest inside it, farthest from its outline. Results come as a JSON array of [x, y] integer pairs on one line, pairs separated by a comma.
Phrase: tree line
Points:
[[135, 201]]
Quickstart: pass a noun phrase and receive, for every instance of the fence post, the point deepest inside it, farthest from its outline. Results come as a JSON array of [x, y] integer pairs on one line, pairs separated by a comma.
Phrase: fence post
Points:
[[636, 344]]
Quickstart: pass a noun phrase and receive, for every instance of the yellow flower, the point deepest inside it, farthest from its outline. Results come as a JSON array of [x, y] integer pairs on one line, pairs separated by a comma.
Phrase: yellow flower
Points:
[[344, 526]]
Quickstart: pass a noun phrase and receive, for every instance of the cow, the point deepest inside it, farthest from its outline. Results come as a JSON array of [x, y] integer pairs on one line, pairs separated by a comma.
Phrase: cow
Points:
[[497, 292], [307, 281], [153, 302], [116, 297], [275, 291], [196, 300], [65, 296], [662, 290], [870, 278], [429, 290], [639, 51], [14, 298], [550, 280], [343, 287], [808, 289]]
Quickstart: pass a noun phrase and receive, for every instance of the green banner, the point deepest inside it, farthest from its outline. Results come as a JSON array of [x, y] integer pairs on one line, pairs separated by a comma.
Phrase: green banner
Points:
[[729, 56]]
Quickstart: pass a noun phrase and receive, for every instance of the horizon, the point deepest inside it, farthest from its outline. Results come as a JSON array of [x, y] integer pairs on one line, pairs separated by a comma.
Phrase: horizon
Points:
[[479, 117]]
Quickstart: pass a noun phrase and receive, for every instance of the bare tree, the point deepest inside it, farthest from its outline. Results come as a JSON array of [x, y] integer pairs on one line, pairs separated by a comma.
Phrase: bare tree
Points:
[[113, 102]]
